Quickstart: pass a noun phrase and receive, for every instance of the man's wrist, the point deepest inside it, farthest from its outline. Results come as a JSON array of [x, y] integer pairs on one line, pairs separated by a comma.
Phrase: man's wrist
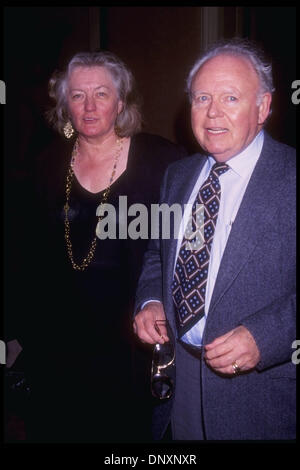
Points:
[[150, 301]]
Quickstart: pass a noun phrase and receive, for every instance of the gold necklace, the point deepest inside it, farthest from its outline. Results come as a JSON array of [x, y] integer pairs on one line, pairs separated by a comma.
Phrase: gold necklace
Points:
[[86, 261]]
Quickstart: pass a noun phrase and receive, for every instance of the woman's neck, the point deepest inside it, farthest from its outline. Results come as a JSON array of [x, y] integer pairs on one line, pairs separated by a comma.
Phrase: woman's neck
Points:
[[93, 168], [93, 151]]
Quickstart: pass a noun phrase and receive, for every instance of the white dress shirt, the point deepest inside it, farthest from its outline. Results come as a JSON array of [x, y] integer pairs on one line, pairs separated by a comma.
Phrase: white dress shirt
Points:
[[233, 186]]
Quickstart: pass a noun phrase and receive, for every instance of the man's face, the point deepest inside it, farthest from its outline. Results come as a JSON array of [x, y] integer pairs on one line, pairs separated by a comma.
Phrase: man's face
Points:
[[225, 114]]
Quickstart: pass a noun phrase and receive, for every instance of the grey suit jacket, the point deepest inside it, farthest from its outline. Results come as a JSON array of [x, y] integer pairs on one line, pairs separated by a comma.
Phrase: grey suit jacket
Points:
[[255, 287]]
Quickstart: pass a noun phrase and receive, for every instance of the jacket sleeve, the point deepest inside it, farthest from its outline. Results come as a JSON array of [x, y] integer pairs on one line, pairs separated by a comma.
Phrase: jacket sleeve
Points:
[[273, 329], [274, 326], [150, 281]]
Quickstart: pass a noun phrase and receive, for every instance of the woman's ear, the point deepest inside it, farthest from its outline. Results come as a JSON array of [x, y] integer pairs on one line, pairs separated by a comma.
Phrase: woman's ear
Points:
[[120, 106]]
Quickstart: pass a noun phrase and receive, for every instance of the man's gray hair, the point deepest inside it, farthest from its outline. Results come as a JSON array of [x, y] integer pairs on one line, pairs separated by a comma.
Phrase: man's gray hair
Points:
[[128, 121], [240, 48]]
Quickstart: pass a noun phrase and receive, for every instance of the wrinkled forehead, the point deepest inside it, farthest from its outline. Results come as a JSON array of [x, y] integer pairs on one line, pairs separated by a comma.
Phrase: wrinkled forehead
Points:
[[97, 74], [84, 71], [226, 69]]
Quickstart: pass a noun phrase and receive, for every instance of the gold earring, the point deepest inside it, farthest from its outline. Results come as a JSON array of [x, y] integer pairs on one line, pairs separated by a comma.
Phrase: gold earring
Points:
[[68, 130], [117, 131]]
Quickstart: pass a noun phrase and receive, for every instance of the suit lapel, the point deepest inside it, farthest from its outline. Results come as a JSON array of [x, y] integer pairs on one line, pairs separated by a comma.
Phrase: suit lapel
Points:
[[251, 220]]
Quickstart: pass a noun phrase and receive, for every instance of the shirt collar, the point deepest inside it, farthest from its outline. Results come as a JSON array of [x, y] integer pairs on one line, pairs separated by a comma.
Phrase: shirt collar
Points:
[[243, 163]]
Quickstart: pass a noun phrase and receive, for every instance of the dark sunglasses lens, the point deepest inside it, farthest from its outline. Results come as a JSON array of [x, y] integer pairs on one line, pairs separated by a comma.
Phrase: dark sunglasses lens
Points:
[[162, 386], [163, 354]]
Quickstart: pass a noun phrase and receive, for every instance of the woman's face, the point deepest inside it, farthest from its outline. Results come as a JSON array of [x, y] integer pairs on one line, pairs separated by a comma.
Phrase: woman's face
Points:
[[93, 101]]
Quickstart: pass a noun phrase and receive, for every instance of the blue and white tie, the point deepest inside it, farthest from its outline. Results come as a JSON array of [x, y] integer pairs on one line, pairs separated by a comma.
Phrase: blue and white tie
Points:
[[190, 277]]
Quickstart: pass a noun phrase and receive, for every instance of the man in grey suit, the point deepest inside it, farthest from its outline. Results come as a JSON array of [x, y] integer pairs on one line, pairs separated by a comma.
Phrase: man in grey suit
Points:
[[231, 302]]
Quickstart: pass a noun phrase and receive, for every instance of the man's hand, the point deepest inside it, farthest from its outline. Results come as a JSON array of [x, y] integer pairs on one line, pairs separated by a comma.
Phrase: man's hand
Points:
[[235, 347], [144, 324]]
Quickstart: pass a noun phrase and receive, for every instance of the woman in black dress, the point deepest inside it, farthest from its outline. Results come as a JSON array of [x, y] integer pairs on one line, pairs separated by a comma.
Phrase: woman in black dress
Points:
[[88, 379]]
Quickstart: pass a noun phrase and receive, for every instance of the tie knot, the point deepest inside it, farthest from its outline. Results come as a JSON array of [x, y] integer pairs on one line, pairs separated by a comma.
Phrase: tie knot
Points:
[[219, 168]]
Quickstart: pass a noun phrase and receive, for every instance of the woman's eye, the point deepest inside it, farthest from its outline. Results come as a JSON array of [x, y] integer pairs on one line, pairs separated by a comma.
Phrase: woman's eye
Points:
[[76, 96]]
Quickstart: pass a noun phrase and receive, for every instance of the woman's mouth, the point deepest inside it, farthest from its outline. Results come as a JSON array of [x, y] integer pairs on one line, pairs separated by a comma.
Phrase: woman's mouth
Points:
[[89, 120]]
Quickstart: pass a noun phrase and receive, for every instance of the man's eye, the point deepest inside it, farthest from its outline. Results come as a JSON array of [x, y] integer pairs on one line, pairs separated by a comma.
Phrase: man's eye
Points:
[[201, 99], [231, 99]]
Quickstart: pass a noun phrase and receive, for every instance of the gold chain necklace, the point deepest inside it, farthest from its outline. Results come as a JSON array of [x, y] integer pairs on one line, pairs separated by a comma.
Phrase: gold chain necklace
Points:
[[86, 261]]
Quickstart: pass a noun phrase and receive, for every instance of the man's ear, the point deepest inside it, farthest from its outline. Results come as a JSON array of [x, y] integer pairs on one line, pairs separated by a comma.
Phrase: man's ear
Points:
[[264, 107]]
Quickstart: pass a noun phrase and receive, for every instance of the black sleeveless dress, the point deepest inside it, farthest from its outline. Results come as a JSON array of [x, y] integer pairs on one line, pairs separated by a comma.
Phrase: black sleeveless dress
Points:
[[89, 375]]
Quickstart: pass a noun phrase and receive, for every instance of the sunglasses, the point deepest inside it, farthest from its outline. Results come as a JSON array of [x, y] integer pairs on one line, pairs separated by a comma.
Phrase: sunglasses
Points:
[[163, 361]]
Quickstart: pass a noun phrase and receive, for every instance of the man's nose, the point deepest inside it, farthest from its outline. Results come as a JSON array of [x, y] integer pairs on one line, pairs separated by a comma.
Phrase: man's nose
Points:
[[214, 110]]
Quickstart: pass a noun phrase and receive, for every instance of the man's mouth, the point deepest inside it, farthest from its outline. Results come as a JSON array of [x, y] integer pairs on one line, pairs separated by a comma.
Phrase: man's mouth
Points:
[[216, 130]]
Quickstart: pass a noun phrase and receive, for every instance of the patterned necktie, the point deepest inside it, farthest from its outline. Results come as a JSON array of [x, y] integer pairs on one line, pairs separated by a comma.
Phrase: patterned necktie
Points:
[[190, 277]]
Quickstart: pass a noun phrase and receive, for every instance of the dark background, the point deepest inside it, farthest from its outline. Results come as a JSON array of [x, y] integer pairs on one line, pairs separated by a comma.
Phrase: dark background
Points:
[[159, 44]]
